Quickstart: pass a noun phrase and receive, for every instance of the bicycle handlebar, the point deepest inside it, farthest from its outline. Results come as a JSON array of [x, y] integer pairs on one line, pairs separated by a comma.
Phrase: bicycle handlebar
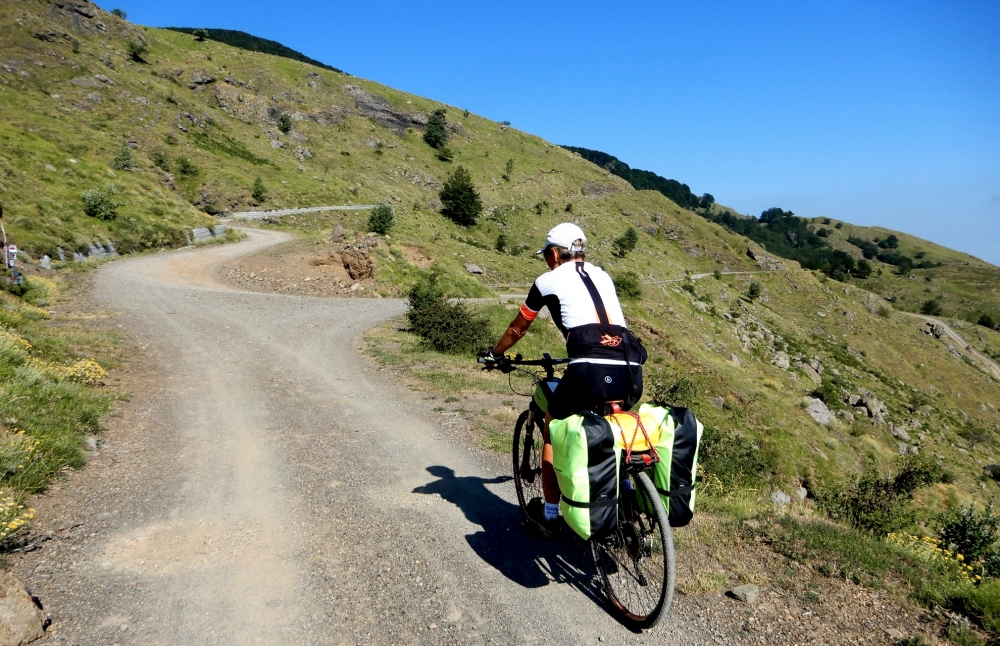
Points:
[[506, 363]]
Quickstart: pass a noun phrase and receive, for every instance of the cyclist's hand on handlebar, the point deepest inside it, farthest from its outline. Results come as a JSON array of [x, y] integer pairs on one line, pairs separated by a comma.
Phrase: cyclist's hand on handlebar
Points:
[[492, 361], [487, 357]]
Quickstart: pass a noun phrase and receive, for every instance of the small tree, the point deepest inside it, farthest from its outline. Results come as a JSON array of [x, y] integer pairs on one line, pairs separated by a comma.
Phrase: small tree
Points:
[[501, 243], [627, 241], [120, 13], [987, 321], [436, 134], [863, 269], [136, 50], [445, 154], [101, 203], [446, 327], [258, 192], [753, 292], [123, 159], [200, 35], [381, 219], [707, 200], [931, 308], [460, 199], [508, 170], [284, 123]]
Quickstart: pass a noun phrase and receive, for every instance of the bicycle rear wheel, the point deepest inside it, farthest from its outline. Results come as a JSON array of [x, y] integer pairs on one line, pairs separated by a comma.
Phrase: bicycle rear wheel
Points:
[[636, 560], [527, 460]]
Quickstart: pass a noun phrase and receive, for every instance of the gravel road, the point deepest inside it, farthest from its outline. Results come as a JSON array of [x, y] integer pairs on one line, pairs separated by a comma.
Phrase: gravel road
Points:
[[268, 487]]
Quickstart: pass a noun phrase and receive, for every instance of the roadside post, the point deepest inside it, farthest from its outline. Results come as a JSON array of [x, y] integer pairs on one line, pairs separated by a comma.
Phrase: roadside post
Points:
[[12, 277]]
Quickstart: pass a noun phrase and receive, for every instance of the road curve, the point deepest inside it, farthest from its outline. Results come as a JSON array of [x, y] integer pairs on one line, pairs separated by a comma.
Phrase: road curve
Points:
[[280, 493], [990, 363]]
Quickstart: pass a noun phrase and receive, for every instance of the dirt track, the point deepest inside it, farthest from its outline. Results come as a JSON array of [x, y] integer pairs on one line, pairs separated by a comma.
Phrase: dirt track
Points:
[[269, 489]]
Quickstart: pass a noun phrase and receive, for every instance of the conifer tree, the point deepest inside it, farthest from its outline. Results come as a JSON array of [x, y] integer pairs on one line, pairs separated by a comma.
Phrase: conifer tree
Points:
[[460, 198], [436, 135]]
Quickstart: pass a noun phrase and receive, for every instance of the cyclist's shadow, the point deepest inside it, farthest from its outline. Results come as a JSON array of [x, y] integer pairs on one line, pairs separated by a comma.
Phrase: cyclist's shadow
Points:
[[503, 542]]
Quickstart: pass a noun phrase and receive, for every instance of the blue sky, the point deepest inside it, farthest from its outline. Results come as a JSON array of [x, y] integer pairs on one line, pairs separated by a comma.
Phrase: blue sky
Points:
[[878, 113]]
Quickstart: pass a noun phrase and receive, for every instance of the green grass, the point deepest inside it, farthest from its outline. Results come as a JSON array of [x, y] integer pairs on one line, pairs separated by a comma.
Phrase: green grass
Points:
[[45, 411]]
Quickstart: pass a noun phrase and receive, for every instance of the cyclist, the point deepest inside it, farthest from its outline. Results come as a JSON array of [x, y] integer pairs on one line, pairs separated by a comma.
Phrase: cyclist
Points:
[[605, 359]]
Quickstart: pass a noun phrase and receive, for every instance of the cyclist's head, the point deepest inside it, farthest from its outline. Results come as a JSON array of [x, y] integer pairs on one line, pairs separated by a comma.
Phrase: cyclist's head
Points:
[[565, 242]]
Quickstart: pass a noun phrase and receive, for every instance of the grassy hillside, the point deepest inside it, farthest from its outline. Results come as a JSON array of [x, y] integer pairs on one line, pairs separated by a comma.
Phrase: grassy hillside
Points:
[[204, 120]]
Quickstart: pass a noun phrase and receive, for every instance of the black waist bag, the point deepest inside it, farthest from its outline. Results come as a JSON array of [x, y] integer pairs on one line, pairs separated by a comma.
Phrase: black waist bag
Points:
[[602, 340]]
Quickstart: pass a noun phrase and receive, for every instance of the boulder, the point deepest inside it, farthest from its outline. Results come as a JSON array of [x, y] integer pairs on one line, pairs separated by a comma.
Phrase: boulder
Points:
[[780, 499], [854, 400], [780, 360], [819, 412], [900, 432], [876, 409], [810, 372], [802, 493], [201, 77], [20, 619], [701, 307], [747, 593], [862, 411], [337, 234], [718, 402], [474, 269]]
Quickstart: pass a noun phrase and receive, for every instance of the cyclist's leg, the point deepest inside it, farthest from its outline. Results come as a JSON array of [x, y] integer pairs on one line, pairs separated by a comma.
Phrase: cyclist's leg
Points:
[[550, 486]]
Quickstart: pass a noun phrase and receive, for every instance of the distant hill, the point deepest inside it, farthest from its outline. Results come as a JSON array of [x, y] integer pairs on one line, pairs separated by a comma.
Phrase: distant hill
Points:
[[252, 43], [642, 180]]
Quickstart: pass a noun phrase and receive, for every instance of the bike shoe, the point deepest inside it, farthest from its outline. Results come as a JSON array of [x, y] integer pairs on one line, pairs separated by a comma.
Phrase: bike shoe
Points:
[[536, 519]]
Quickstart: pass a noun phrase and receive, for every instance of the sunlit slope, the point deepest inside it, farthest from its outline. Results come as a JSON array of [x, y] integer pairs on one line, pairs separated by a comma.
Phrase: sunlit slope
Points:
[[204, 120]]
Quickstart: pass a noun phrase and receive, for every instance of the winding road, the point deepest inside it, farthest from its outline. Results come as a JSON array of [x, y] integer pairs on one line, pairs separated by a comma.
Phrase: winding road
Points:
[[270, 488]]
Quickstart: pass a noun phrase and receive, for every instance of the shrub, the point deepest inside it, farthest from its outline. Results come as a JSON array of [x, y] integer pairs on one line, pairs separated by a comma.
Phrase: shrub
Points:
[[863, 269], [136, 50], [460, 198], [436, 134], [986, 321], [671, 389], [627, 241], [753, 292], [731, 458], [161, 161], [501, 243], [123, 159], [186, 167], [381, 219], [200, 35], [627, 285], [972, 535], [258, 191], [284, 123], [101, 203], [931, 308], [880, 504], [120, 13], [444, 326], [839, 225]]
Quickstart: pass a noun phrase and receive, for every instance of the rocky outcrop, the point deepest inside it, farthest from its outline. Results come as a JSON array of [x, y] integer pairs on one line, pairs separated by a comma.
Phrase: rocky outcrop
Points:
[[596, 189], [384, 113], [765, 261]]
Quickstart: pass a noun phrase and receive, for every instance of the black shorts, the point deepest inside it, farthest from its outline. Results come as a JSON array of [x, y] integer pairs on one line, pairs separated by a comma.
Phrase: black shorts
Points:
[[586, 385]]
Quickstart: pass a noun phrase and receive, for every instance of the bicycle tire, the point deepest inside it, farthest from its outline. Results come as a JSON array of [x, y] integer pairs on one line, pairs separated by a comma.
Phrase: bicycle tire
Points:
[[526, 490], [642, 540]]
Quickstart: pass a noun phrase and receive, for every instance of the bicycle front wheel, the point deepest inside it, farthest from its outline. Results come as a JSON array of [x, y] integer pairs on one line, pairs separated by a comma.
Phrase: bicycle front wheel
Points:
[[527, 455], [636, 560]]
